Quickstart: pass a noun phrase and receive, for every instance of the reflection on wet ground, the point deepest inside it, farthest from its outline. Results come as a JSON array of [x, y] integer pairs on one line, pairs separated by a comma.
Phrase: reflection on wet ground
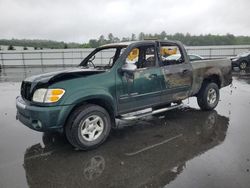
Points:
[[183, 148], [150, 154], [242, 75]]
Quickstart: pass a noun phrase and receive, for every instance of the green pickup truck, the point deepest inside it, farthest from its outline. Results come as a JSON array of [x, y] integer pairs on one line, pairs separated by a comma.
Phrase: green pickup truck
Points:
[[118, 81]]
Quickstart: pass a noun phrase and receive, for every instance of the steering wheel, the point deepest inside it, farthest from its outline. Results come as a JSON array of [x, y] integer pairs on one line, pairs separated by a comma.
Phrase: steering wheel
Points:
[[90, 61], [92, 64], [110, 60]]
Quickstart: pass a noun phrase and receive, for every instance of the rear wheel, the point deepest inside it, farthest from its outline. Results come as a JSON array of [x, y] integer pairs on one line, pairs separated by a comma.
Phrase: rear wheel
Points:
[[88, 127], [208, 96], [243, 65]]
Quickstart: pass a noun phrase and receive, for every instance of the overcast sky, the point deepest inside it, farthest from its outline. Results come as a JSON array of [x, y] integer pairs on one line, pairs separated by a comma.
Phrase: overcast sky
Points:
[[80, 20]]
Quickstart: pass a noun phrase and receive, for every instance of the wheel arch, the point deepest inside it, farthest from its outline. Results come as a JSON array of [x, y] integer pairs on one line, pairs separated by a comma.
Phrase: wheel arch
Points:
[[215, 78], [103, 101], [209, 78]]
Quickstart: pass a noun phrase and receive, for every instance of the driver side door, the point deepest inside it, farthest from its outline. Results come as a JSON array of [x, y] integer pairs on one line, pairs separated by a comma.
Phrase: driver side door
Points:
[[142, 88]]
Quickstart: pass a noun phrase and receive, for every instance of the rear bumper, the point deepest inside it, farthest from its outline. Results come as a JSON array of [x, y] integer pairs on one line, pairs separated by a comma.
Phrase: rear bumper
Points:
[[42, 118]]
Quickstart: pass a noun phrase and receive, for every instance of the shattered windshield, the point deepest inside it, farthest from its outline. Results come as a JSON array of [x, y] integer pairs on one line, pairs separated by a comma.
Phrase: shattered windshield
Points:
[[103, 58]]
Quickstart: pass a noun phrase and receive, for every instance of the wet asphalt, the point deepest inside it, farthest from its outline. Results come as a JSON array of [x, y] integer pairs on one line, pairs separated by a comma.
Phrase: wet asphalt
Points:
[[182, 148]]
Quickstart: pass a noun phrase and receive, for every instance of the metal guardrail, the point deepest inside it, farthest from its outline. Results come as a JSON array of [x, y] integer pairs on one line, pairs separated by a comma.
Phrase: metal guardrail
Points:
[[41, 57], [214, 52], [71, 57]]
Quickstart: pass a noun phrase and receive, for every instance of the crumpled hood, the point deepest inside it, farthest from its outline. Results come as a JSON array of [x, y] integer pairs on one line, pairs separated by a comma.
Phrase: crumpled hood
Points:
[[52, 77], [30, 84]]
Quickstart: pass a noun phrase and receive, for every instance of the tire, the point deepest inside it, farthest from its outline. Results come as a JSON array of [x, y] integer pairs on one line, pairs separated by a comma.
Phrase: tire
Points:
[[208, 96], [88, 127], [243, 65]]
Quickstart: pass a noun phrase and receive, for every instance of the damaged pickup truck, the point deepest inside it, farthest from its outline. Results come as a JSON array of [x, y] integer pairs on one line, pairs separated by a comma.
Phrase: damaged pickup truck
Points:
[[118, 81]]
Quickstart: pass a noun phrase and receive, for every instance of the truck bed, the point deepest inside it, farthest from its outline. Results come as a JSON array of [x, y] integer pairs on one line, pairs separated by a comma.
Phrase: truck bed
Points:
[[209, 67]]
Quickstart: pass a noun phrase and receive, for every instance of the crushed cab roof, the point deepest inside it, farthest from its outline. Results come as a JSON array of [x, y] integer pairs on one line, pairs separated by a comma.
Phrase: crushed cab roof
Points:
[[125, 44], [118, 44]]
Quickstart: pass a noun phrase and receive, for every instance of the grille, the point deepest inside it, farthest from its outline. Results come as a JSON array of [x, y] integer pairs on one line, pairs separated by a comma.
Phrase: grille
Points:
[[25, 90]]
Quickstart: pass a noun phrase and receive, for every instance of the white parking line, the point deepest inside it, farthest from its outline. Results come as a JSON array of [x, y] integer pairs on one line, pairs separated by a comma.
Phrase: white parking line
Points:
[[152, 146]]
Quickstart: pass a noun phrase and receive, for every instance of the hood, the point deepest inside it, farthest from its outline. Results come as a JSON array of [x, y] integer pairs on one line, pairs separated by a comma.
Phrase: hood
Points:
[[244, 54], [30, 84], [53, 77]]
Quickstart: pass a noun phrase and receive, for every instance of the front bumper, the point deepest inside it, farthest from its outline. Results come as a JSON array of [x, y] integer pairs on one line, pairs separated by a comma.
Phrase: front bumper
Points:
[[41, 118]]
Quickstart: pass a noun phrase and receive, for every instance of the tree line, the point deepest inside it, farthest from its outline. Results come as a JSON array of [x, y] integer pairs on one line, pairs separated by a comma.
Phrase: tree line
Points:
[[37, 44], [187, 39]]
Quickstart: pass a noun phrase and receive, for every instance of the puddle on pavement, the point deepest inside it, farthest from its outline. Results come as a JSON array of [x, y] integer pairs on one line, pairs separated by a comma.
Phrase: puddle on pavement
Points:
[[183, 148]]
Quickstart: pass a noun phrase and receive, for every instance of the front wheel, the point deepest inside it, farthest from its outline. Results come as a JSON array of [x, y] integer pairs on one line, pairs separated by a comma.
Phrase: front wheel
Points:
[[208, 96], [88, 127], [243, 65]]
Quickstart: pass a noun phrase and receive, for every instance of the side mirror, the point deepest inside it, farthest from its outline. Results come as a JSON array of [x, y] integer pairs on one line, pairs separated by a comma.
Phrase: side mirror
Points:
[[129, 67]]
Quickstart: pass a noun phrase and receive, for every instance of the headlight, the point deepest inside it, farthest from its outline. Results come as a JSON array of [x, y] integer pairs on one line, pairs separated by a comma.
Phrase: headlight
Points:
[[48, 95], [39, 95]]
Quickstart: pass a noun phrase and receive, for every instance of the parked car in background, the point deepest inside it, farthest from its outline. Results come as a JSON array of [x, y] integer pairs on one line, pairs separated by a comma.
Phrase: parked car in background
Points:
[[242, 60], [192, 57], [195, 57]]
